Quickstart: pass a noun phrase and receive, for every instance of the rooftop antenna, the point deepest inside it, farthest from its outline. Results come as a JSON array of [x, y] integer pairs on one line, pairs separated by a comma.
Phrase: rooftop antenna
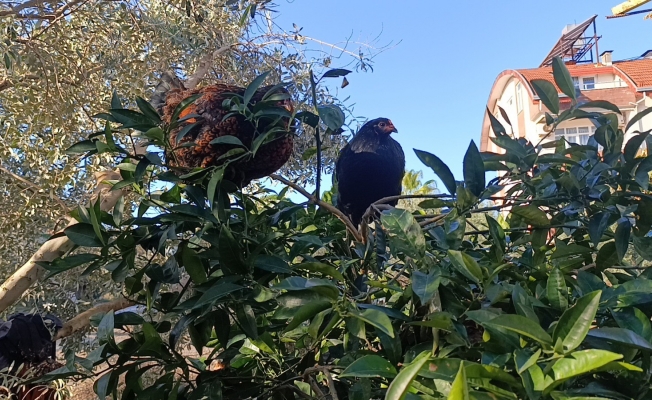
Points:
[[575, 45]]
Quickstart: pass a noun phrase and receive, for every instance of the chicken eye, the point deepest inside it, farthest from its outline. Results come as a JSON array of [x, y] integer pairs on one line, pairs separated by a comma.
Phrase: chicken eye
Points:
[[382, 124]]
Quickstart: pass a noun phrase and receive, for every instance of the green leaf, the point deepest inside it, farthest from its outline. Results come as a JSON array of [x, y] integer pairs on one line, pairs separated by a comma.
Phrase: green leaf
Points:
[[60, 265], [306, 312], [185, 103], [371, 366], [81, 147], [272, 263], [634, 319], [621, 337], [83, 234], [425, 285], [185, 130], [229, 252], [532, 215], [607, 255], [521, 325], [297, 283], [440, 168], [556, 290], [496, 126], [377, 319], [623, 232], [253, 87], [321, 268], [405, 235], [115, 101], [601, 104], [332, 116], [466, 265], [106, 328], [193, 265], [576, 321], [147, 110], [474, 174], [637, 117], [336, 72], [522, 303], [211, 189], [400, 386], [308, 118], [227, 139], [597, 225], [459, 389], [581, 362], [547, 93], [247, 320], [563, 78], [216, 292]]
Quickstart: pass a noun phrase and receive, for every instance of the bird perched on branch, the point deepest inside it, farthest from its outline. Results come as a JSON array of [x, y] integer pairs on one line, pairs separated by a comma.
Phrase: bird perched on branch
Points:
[[204, 121], [370, 167]]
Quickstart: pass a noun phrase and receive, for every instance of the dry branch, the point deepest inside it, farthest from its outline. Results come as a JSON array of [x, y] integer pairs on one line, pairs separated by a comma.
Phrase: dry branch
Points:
[[82, 320]]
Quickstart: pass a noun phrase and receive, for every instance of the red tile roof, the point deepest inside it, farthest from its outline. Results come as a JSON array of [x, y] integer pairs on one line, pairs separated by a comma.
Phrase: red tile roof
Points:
[[640, 71], [637, 71]]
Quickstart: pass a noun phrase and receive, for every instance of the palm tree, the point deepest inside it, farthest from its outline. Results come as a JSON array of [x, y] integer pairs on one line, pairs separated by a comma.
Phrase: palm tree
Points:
[[412, 185]]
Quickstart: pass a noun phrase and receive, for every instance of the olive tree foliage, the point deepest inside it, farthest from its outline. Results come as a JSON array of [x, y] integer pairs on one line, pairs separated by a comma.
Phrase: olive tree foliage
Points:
[[62, 60]]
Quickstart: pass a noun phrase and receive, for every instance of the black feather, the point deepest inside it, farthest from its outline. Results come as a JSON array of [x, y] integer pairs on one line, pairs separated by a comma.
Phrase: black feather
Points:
[[370, 167]]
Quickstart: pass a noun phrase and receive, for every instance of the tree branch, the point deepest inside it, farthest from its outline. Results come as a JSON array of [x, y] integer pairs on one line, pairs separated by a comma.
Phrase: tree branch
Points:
[[14, 287], [204, 65], [339, 214], [82, 320]]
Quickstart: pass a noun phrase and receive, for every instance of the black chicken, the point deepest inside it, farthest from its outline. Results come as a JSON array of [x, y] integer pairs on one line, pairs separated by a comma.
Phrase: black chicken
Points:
[[27, 348], [370, 167]]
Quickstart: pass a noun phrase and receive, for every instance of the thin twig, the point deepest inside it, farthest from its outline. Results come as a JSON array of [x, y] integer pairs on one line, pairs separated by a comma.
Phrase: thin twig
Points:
[[339, 214]]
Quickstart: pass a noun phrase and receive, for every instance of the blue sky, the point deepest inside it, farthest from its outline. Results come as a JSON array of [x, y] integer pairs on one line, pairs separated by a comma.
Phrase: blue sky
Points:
[[435, 83]]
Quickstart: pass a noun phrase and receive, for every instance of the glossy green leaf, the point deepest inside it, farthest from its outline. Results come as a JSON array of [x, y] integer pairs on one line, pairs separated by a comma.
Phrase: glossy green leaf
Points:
[[547, 93], [332, 116], [460, 388], [532, 215], [321, 268], [306, 312], [83, 234], [563, 78], [425, 285], [377, 319], [605, 105], [521, 325], [634, 319], [582, 362], [254, 86], [466, 265], [193, 265], [272, 263], [622, 236], [400, 386], [227, 139], [474, 174], [440, 168], [621, 337], [405, 235], [575, 322], [556, 290], [371, 366]]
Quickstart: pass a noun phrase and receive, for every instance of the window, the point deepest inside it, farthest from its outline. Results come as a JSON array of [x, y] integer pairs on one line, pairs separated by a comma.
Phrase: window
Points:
[[576, 82], [588, 83], [579, 135], [519, 98]]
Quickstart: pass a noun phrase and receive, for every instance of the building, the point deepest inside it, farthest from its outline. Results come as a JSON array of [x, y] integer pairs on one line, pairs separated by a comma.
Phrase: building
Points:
[[626, 83]]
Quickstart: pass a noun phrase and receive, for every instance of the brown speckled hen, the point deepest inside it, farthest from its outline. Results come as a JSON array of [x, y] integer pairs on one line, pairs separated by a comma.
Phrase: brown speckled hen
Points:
[[211, 124]]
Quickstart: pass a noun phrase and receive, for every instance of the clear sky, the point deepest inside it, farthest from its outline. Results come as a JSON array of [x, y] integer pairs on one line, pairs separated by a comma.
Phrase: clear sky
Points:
[[435, 83]]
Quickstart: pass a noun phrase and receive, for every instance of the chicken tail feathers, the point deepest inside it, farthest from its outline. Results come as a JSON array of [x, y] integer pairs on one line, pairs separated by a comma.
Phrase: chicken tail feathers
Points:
[[169, 81]]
